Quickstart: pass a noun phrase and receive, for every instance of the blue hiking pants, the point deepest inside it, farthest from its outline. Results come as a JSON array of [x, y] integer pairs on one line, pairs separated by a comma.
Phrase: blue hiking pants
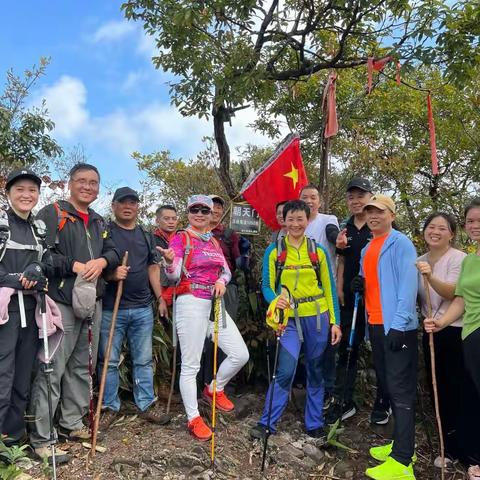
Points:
[[314, 344]]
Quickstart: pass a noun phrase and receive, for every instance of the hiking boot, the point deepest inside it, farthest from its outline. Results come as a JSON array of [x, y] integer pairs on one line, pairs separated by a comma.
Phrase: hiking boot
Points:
[[79, 435], [318, 433], [258, 432], [46, 452], [199, 429], [383, 452], [381, 412], [391, 470], [221, 400], [108, 417], [152, 415]]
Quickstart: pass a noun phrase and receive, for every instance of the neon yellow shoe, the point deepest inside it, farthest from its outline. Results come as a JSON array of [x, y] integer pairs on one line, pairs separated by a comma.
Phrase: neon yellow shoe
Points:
[[391, 470], [383, 452]]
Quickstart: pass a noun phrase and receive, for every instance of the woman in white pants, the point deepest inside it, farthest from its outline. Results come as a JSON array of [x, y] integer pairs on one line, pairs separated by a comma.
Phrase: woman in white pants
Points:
[[196, 259]]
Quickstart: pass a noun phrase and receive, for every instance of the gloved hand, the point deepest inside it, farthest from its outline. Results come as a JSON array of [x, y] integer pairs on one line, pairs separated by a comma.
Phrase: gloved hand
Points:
[[41, 285], [396, 340], [33, 273], [358, 285]]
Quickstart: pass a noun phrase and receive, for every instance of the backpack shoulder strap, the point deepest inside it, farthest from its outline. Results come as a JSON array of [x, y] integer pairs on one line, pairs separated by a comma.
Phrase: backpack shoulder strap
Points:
[[187, 252], [280, 260], [313, 255], [62, 217]]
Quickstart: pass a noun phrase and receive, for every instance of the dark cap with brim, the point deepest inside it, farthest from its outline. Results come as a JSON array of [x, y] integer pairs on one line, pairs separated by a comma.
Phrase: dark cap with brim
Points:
[[22, 174], [125, 192], [360, 183], [216, 198]]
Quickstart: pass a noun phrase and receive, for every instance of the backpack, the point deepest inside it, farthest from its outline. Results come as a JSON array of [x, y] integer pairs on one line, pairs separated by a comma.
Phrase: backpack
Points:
[[244, 246], [282, 257], [183, 285], [38, 230]]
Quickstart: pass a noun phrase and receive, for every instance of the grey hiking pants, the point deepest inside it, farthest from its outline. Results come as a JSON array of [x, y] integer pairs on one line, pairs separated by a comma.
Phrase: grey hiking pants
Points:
[[69, 379]]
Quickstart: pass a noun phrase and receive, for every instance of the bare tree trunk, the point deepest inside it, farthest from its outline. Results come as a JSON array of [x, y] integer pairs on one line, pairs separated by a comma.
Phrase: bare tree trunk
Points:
[[220, 116]]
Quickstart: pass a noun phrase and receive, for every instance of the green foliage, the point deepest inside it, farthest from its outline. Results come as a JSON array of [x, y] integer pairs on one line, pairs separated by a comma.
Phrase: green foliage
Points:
[[232, 52], [24, 131], [385, 137], [10, 456], [333, 433]]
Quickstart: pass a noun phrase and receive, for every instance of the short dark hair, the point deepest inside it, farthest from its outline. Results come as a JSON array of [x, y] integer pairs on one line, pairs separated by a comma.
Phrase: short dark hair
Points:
[[83, 166], [161, 208], [474, 203], [280, 204], [450, 219], [296, 206], [310, 186]]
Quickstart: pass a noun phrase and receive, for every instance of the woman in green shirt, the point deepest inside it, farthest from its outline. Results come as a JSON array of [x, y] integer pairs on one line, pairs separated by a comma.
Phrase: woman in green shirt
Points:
[[467, 303]]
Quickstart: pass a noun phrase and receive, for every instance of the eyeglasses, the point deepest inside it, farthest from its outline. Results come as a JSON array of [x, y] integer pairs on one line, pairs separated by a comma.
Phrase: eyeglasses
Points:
[[202, 210], [83, 183]]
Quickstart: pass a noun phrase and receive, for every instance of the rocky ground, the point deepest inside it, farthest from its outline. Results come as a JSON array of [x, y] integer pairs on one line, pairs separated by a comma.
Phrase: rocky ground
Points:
[[137, 450]]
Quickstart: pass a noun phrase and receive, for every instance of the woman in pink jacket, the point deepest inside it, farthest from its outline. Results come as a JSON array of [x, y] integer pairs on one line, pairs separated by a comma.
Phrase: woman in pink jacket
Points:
[[195, 259]]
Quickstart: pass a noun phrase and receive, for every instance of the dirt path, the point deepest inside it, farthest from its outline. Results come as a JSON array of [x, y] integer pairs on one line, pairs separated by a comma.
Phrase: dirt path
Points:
[[137, 450]]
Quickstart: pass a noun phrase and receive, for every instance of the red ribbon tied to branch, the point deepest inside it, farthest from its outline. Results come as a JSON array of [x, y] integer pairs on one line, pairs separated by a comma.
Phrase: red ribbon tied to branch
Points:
[[433, 142], [377, 66], [330, 108]]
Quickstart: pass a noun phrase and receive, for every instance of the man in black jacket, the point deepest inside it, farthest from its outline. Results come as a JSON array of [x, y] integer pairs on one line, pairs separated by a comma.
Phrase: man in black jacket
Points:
[[81, 250]]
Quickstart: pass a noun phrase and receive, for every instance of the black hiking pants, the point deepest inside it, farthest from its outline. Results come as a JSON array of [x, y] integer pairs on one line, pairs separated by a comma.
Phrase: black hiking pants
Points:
[[377, 340], [347, 383], [401, 373], [18, 348]]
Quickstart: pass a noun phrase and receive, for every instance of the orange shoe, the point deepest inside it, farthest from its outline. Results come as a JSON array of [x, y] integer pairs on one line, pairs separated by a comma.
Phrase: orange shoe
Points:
[[198, 428], [222, 402]]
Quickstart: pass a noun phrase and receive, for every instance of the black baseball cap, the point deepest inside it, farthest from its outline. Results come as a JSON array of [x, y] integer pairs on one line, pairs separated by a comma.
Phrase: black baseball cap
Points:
[[360, 183], [20, 174], [125, 192], [216, 198]]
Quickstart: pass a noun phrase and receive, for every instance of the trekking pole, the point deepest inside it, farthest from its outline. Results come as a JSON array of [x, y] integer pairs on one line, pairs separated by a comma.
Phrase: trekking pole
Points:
[[106, 359], [214, 400], [174, 366], [47, 369], [272, 389], [434, 376], [351, 339]]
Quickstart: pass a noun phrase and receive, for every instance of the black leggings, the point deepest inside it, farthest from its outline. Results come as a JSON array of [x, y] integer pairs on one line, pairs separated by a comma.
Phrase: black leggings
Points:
[[456, 394]]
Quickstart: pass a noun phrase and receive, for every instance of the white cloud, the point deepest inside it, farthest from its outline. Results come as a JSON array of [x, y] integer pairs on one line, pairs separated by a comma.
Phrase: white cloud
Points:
[[146, 45], [66, 101], [147, 128], [113, 31]]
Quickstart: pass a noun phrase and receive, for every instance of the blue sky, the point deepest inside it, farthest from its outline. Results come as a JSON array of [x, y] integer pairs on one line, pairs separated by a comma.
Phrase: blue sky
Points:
[[101, 88]]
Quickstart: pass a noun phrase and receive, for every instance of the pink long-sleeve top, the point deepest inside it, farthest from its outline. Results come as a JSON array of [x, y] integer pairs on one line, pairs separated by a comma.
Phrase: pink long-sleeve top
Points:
[[207, 264]]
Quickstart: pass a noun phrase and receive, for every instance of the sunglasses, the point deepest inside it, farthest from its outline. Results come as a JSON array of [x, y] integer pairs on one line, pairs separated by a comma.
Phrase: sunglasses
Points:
[[202, 210]]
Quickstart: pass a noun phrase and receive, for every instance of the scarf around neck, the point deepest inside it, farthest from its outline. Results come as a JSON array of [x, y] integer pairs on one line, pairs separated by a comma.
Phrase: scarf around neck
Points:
[[202, 236]]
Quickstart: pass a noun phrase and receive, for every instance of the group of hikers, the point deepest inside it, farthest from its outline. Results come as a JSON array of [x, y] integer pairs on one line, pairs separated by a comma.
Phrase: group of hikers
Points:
[[328, 288]]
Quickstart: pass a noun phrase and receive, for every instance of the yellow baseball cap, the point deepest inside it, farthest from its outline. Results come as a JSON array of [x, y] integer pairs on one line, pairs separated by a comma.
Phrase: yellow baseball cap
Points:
[[382, 202]]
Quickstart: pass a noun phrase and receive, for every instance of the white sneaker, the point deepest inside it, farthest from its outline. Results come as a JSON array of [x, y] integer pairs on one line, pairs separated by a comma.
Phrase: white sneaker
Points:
[[438, 462]]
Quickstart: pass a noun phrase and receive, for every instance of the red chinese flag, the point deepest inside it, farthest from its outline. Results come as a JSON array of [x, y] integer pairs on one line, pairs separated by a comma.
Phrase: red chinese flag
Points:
[[280, 178]]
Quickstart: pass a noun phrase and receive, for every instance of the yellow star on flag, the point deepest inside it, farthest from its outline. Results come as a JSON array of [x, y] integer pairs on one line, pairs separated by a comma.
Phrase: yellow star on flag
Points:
[[293, 174]]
